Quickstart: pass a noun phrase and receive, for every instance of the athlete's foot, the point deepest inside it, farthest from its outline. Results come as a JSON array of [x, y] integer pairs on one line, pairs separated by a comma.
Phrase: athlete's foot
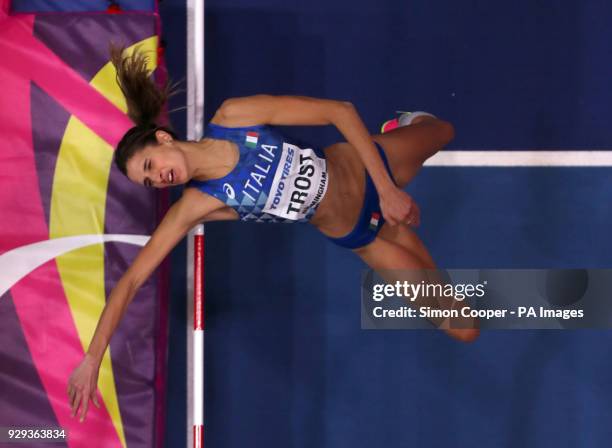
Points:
[[405, 119], [422, 118], [469, 332], [464, 335]]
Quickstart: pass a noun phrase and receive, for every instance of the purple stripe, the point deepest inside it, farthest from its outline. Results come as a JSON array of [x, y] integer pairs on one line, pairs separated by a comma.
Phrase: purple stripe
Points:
[[49, 121], [132, 350], [23, 400], [72, 36], [161, 336], [130, 209]]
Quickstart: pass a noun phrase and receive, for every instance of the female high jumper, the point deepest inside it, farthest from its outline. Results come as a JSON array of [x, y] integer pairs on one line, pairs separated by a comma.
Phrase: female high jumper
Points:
[[244, 169]]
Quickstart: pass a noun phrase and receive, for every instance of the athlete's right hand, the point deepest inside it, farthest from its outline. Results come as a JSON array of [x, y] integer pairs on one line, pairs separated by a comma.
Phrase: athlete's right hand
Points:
[[82, 386], [397, 206]]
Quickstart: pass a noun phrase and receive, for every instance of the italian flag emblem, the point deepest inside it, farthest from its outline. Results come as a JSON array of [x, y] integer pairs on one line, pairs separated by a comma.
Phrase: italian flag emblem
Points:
[[374, 220], [251, 140]]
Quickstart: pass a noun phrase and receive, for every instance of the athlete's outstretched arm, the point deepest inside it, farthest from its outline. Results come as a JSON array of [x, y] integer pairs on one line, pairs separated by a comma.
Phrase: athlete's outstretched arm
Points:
[[192, 208], [396, 205]]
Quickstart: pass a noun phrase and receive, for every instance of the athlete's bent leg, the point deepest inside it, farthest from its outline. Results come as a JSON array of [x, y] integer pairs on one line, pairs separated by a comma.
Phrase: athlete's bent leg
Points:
[[408, 147], [389, 258], [405, 236]]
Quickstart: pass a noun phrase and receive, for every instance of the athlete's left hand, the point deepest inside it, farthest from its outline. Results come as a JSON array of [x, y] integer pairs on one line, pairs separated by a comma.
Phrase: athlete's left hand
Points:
[[398, 207]]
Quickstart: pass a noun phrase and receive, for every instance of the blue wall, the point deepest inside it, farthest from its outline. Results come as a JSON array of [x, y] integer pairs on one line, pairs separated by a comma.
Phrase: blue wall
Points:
[[286, 361]]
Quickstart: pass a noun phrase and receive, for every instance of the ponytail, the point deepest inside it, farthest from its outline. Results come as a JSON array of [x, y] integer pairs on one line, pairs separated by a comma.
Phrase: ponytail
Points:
[[145, 102]]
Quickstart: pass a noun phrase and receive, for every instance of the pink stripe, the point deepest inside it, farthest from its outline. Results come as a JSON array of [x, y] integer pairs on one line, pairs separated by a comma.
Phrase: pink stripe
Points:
[[46, 320], [31, 59]]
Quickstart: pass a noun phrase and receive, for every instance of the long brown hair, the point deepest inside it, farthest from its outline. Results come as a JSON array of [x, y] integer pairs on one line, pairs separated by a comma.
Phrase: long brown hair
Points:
[[145, 102]]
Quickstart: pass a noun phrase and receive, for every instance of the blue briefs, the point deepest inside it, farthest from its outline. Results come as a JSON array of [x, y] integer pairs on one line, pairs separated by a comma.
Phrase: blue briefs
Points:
[[370, 219]]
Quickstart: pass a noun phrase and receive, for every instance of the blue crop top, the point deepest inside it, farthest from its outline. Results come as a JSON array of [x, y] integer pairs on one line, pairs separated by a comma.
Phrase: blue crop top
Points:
[[273, 181]]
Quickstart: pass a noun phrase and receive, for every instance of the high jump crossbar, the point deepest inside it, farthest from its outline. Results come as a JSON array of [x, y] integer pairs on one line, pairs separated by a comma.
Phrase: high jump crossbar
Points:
[[195, 246]]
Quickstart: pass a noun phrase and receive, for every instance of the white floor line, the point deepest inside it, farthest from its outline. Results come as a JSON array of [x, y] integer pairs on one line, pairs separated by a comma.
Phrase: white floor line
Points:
[[520, 158]]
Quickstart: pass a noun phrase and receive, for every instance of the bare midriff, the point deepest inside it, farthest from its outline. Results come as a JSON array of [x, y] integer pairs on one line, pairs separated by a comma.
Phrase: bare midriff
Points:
[[339, 210]]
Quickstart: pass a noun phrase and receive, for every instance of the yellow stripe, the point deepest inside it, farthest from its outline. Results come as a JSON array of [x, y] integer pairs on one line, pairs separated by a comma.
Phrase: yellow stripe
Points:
[[78, 204]]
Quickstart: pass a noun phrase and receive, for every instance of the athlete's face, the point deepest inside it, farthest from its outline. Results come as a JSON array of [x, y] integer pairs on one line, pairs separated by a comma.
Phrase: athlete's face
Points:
[[159, 166]]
